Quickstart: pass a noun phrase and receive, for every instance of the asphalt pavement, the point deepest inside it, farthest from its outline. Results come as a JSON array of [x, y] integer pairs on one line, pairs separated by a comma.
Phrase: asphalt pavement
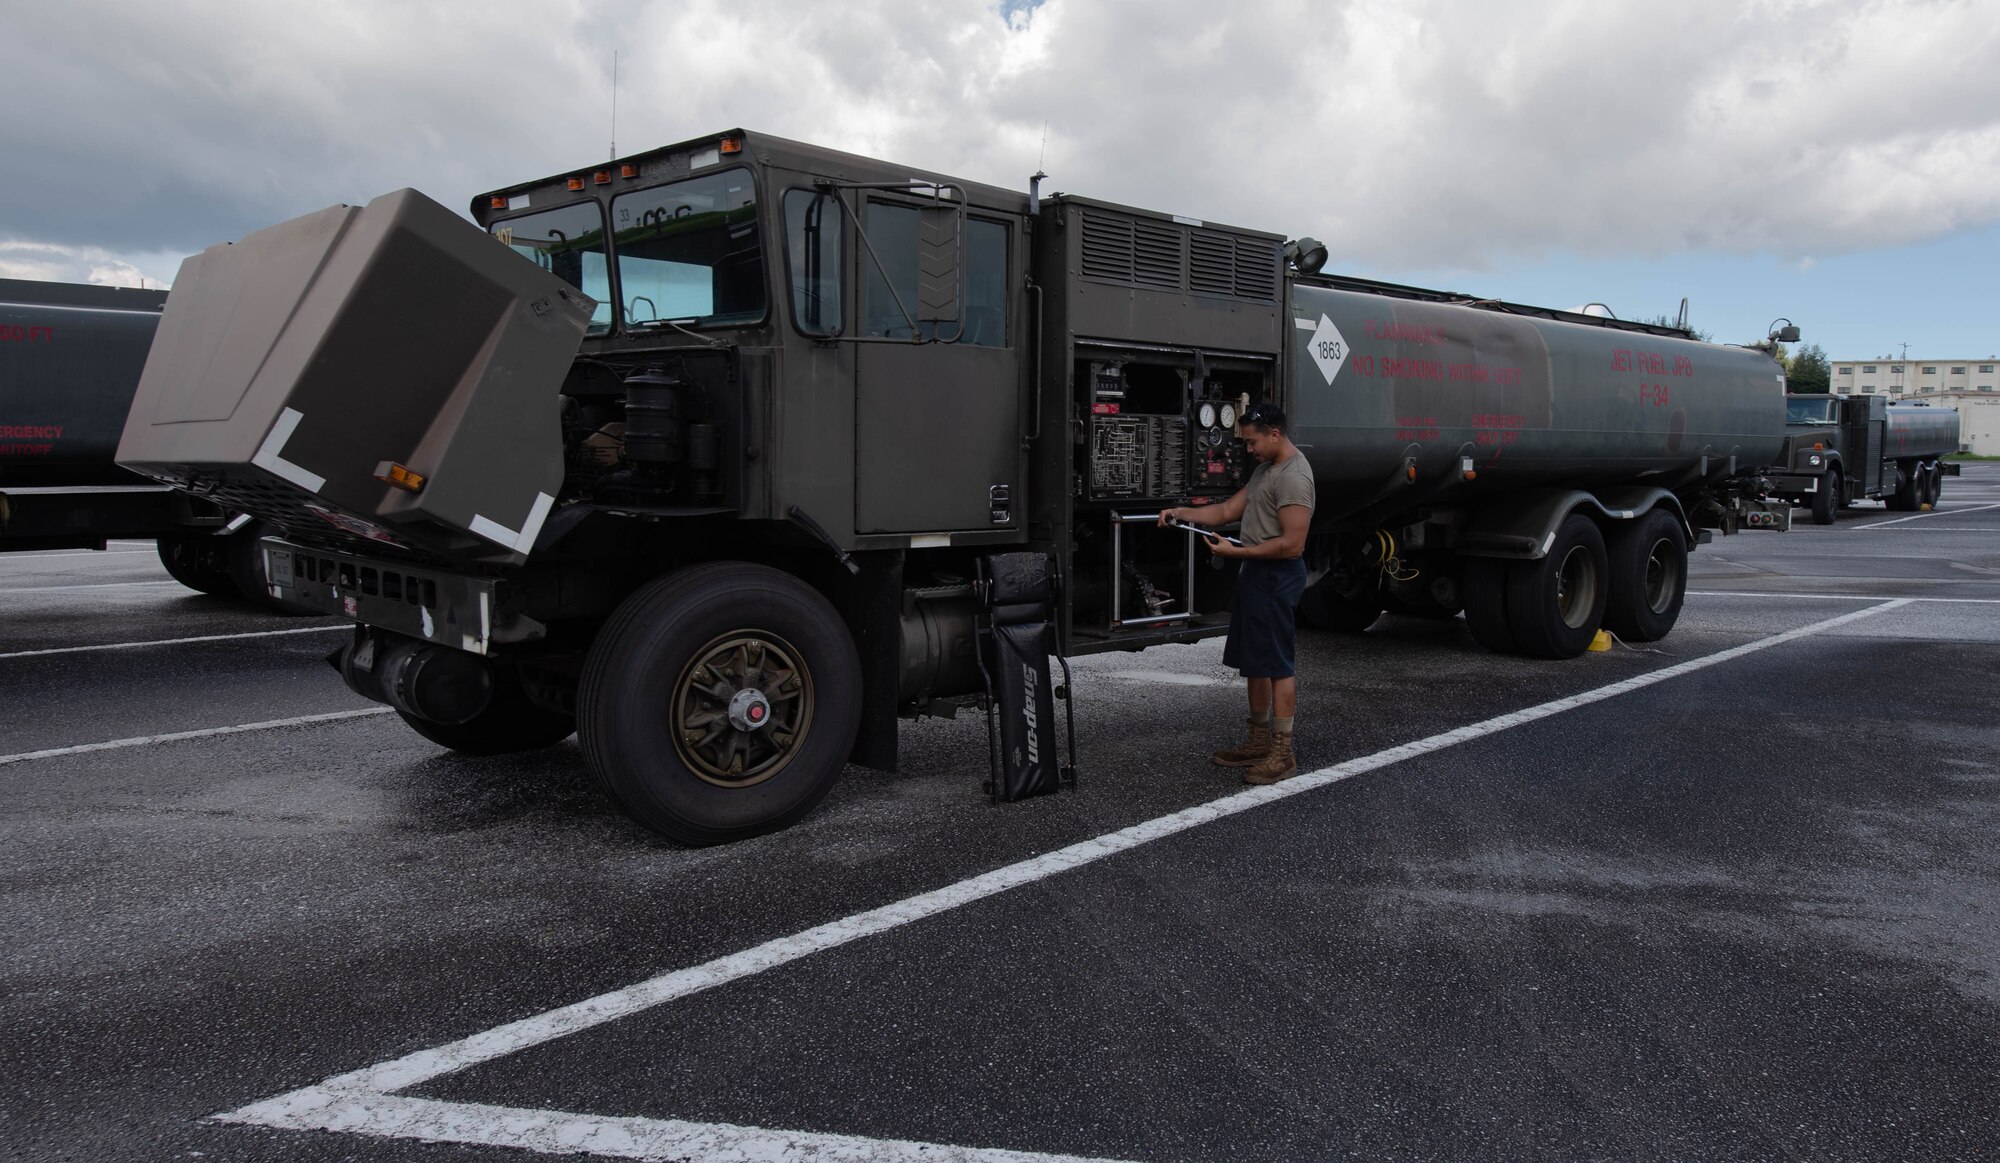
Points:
[[1731, 896]]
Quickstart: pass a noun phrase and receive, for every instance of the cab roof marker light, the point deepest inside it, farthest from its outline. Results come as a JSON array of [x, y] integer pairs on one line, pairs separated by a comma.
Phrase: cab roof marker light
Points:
[[601, 177], [628, 170], [730, 145], [575, 183]]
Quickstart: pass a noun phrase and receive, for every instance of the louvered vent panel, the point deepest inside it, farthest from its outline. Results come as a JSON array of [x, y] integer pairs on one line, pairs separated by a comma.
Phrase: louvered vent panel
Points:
[[1256, 268], [1107, 246], [1157, 255], [1211, 263]]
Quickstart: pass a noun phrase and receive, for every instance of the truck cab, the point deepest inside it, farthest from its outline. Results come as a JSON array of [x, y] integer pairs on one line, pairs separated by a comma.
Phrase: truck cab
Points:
[[1841, 449]]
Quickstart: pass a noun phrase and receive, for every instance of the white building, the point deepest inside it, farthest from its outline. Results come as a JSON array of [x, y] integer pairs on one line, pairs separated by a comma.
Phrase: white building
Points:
[[1971, 386]]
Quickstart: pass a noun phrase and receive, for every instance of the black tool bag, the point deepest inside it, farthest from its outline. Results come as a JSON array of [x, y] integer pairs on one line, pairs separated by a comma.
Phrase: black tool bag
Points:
[[1017, 638]]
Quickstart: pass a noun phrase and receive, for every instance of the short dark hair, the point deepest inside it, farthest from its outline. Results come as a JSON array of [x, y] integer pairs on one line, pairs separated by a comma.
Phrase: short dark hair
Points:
[[1266, 415]]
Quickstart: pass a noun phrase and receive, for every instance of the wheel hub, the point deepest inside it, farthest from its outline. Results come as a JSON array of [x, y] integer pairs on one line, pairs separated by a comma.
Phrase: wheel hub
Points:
[[749, 710]]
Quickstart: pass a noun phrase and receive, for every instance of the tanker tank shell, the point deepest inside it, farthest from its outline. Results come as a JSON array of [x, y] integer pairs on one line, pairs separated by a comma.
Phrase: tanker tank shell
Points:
[[1921, 430], [1377, 380]]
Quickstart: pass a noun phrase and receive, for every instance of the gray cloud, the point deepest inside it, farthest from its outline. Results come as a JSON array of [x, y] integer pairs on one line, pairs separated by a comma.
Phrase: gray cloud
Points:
[[1408, 133]]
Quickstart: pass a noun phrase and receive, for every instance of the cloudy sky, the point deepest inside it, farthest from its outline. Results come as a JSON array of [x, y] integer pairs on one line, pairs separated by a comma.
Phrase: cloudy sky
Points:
[[1833, 161]]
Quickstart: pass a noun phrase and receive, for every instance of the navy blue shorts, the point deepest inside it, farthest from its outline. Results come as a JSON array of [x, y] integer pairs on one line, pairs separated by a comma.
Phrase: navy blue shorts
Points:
[[1263, 618]]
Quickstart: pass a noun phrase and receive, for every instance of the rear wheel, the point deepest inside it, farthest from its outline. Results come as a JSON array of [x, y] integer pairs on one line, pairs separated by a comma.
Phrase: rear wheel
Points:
[[1933, 478], [1908, 488], [509, 723], [720, 702], [1648, 559], [1555, 604], [1484, 587], [245, 556], [1827, 498]]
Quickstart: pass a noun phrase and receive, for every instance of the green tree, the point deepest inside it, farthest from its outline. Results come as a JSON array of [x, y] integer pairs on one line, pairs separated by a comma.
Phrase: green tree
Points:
[[1808, 371]]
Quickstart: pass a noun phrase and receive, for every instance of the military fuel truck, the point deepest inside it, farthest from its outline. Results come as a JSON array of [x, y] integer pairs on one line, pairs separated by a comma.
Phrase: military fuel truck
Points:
[[1843, 449], [725, 455], [70, 357]]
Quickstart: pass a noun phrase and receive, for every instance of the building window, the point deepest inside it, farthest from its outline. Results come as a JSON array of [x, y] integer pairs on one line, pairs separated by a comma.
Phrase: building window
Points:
[[1897, 368], [1847, 371], [1868, 367], [1930, 371], [1958, 371], [1986, 368]]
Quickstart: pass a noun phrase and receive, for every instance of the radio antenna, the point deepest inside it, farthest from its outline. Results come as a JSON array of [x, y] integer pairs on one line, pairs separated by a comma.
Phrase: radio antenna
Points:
[[1044, 155], [614, 104]]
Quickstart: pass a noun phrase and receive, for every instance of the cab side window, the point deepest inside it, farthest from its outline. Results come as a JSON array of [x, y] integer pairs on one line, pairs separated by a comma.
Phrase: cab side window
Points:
[[892, 230], [813, 260]]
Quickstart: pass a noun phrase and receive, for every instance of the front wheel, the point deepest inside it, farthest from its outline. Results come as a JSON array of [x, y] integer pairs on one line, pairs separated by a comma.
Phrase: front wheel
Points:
[[1555, 604], [1649, 564], [720, 702], [1827, 498], [199, 561]]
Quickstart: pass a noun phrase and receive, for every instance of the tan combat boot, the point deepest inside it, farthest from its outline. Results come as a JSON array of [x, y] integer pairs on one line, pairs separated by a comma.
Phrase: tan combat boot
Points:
[[1258, 746], [1279, 764]]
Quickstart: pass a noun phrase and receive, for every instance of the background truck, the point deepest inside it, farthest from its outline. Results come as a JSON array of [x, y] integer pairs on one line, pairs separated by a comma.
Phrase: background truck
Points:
[[1842, 449], [725, 455], [70, 358]]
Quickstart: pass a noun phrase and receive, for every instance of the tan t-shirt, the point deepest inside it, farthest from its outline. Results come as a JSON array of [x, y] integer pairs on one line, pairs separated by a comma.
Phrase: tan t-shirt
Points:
[[1272, 487]]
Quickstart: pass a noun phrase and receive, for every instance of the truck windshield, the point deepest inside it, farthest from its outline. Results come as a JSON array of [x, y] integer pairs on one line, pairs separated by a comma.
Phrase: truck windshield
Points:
[[690, 251], [568, 240], [1818, 411]]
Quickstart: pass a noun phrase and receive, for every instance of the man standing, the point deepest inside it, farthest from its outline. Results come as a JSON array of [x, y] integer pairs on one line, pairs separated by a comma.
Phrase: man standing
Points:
[[1275, 509]]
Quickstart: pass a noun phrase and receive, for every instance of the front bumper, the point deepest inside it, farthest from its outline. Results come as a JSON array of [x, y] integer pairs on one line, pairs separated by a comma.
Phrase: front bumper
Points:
[[461, 611]]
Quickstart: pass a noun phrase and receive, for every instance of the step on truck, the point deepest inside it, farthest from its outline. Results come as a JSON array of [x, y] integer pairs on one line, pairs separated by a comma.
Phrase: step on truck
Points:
[[708, 454], [1843, 449], [70, 359]]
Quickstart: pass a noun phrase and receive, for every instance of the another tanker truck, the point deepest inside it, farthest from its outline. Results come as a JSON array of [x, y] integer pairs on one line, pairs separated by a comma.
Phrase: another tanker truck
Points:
[[726, 454], [1842, 449], [70, 357]]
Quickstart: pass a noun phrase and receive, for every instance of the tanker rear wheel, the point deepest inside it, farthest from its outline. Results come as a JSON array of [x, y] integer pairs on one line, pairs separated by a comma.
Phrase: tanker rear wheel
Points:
[[1933, 478], [720, 702], [1484, 587], [1649, 562], [1556, 603]]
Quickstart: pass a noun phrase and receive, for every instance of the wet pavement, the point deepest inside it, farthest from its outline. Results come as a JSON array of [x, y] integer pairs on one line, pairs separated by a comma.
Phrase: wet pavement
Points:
[[1745, 908]]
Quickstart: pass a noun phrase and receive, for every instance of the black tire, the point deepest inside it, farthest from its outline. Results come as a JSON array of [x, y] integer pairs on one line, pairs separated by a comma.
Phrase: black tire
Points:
[[246, 570], [199, 561], [1484, 587], [1555, 604], [1933, 482], [1322, 607], [640, 691], [510, 723], [1649, 562], [1827, 498], [1909, 488]]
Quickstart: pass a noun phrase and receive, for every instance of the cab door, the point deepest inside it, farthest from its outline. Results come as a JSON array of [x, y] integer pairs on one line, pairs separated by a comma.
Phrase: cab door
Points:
[[938, 406]]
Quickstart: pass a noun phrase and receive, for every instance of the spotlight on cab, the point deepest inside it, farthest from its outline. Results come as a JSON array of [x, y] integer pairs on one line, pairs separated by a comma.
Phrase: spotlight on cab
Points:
[[1307, 255]]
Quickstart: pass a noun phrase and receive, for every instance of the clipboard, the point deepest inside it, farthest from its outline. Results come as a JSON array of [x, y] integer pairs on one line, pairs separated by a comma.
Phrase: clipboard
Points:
[[1202, 531]]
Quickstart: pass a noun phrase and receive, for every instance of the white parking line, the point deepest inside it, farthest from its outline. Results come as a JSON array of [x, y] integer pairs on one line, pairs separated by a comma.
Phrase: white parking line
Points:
[[365, 1102], [171, 641], [1922, 516], [76, 553], [1842, 597], [177, 736], [87, 586]]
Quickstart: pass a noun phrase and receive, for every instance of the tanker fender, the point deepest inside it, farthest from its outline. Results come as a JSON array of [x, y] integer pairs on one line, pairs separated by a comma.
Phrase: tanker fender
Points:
[[1523, 525]]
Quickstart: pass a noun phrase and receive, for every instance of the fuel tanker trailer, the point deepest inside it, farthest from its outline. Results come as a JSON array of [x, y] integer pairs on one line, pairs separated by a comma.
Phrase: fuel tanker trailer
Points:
[[725, 455], [70, 358], [1545, 471]]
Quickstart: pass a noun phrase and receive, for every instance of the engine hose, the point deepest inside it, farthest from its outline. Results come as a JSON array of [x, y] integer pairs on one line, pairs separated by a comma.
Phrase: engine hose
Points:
[[1391, 564]]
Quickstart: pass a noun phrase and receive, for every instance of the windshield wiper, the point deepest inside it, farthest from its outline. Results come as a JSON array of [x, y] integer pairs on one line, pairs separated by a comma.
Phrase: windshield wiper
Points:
[[676, 324]]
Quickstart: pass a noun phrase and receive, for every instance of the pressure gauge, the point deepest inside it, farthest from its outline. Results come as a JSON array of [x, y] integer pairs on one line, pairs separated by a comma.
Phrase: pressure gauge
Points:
[[1215, 438], [1229, 415], [1207, 414]]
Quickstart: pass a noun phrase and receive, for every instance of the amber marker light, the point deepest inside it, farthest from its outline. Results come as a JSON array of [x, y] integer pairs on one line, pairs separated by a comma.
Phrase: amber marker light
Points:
[[497, 202], [628, 170], [731, 145], [401, 476], [601, 177], [576, 183]]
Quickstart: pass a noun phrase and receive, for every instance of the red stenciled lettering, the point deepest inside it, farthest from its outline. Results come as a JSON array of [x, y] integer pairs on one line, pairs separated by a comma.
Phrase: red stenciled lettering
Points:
[[1416, 428], [1621, 359], [1683, 366], [1658, 395], [31, 431], [1401, 332], [15, 333], [26, 449]]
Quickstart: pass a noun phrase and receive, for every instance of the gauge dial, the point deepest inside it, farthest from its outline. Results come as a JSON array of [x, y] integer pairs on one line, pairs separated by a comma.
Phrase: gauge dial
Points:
[[1207, 415], [1215, 438], [1229, 415]]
